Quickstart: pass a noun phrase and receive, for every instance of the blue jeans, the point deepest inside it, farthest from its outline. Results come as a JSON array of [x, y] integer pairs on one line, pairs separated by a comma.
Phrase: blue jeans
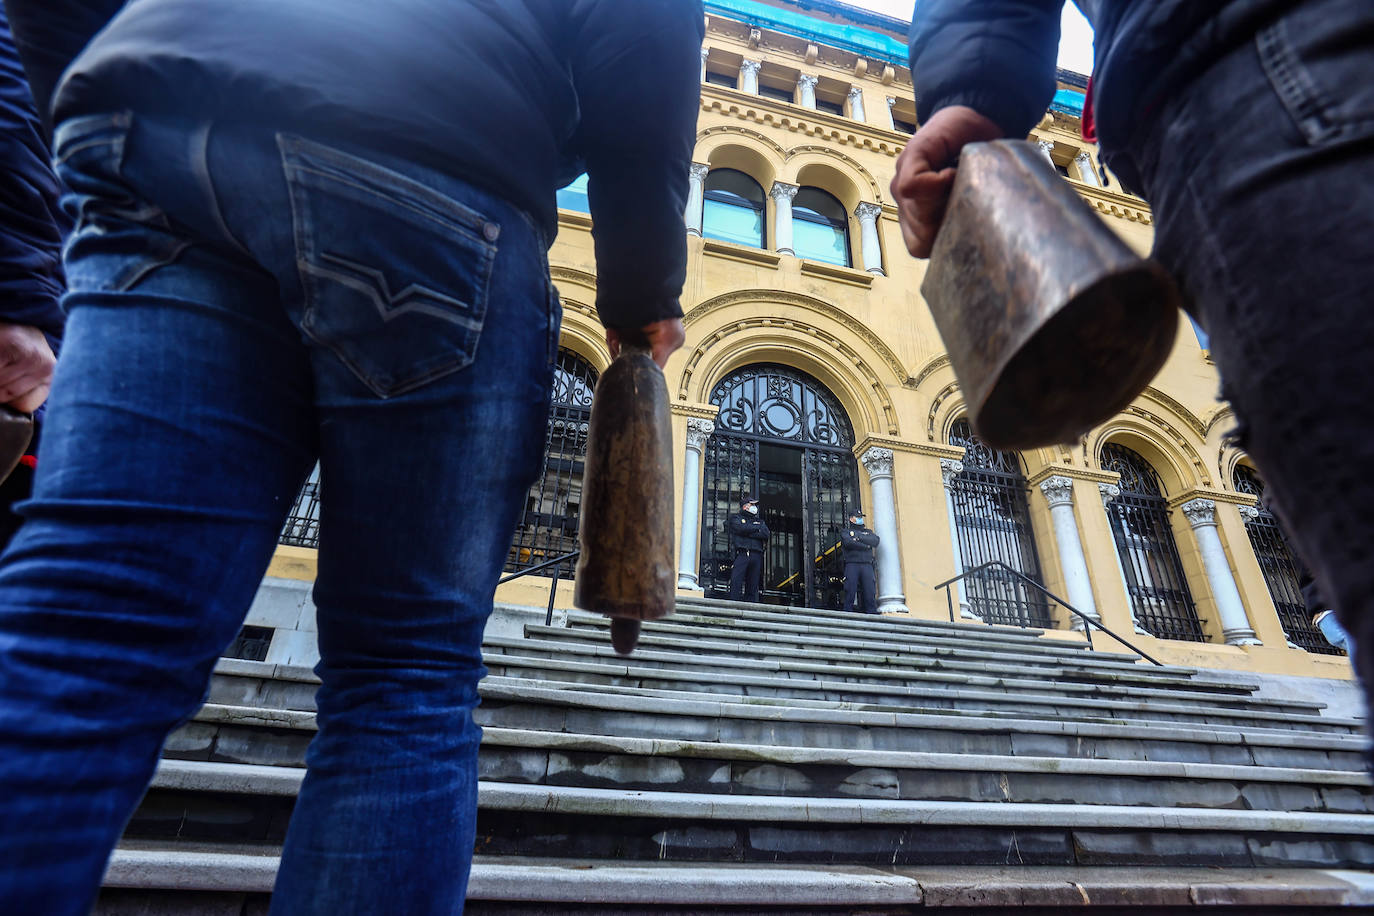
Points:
[[242, 304], [1260, 177]]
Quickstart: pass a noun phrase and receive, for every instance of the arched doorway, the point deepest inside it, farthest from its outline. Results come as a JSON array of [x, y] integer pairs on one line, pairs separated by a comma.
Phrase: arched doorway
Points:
[[782, 436], [1155, 581], [548, 525], [1280, 568], [992, 518]]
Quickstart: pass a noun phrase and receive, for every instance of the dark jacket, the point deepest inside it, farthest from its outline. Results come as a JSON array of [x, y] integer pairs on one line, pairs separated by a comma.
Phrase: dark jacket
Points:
[[31, 222], [998, 56], [857, 543], [747, 532], [512, 95]]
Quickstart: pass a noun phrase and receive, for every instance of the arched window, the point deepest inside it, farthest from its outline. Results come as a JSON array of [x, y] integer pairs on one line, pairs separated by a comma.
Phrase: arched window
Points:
[[732, 210], [820, 227], [1280, 567], [548, 526], [574, 196], [1145, 544], [992, 518]]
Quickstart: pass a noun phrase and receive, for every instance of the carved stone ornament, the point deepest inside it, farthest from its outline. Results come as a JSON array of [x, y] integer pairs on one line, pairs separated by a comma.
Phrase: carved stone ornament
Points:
[[891, 100], [1058, 490], [878, 462], [699, 171], [807, 79], [1109, 491], [781, 190], [1084, 159], [1200, 512], [855, 92], [1248, 513], [1046, 146], [950, 468], [699, 429], [867, 212], [749, 66]]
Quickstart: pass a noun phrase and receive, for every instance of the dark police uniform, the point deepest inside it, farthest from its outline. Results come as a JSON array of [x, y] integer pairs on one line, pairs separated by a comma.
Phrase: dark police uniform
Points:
[[858, 542], [748, 536]]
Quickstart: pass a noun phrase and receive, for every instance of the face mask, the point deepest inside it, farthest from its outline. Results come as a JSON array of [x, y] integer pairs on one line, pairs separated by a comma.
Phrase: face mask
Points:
[[752, 510], [858, 519]]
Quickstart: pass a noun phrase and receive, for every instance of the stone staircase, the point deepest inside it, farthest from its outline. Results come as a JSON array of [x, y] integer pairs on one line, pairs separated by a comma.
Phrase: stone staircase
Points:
[[755, 759]]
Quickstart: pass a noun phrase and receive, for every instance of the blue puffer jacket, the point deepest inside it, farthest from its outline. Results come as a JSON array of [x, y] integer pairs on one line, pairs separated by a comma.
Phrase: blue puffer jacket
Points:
[[31, 223], [998, 56]]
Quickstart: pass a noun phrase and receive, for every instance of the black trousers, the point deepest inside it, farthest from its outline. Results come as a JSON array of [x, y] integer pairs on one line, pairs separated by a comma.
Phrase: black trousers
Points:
[[1259, 172], [860, 589], [746, 575]]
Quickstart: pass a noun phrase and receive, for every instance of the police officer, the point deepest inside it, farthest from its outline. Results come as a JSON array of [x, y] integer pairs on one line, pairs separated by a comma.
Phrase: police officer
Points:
[[748, 536], [857, 542]]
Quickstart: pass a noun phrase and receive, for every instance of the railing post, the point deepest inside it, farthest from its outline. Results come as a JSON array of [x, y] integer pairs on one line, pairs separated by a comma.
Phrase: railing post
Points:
[[553, 593], [949, 599]]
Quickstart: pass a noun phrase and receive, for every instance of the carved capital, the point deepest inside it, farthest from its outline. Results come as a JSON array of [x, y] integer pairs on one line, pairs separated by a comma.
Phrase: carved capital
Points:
[[699, 170], [1248, 513], [878, 462], [781, 191], [1046, 146], [891, 101], [1084, 159], [867, 212], [807, 81], [749, 66], [704, 52], [855, 94], [1109, 491], [950, 468], [1058, 490], [1200, 512], [699, 429]]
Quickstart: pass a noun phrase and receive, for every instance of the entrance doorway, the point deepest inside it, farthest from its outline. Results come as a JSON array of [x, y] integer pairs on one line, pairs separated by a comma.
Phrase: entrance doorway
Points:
[[780, 436]]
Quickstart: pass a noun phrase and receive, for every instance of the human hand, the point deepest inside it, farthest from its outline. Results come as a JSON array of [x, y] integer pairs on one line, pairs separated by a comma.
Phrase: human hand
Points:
[[925, 172], [26, 364], [662, 338]]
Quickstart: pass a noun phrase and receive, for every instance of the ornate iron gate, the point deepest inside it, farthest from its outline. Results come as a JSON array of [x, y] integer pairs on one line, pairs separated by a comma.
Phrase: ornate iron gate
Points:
[[302, 528], [782, 436], [1149, 557], [1280, 568], [992, 517], [548, 525]]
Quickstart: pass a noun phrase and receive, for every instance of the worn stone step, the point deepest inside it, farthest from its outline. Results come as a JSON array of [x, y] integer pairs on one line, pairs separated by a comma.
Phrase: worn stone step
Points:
[[927, 657], [515, 819], [154, 876], [907, 698]]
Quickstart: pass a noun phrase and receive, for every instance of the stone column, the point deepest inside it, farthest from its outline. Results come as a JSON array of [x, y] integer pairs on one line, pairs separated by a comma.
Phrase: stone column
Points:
[[1084, 161], [699, 430], [951, 468], [1111, 491], [704, 53], [749, 77], [696, 183], [1235, 624], [1059, 494], [856, 103], [806, 91], [1046, 149], [782, 195], [891, 124], [878, 462], [868, 231]]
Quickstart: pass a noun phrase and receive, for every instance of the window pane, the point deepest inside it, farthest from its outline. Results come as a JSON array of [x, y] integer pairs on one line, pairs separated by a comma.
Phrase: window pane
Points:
[[574, 196], [735, 182], [732, 223], [773, 92], [819, 242], [720, 79]]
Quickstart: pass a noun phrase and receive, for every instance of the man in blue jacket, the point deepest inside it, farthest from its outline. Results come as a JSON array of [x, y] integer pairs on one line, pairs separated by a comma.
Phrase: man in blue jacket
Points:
[[1249, 126], [857, 544], [312, 230], [749, 537]]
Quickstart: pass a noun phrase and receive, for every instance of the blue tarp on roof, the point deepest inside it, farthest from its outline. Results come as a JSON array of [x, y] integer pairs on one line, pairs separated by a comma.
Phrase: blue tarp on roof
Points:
[[1068, 101]]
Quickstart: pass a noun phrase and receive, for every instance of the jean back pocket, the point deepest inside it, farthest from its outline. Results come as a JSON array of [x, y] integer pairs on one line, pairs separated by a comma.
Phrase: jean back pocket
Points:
[[395, 274]]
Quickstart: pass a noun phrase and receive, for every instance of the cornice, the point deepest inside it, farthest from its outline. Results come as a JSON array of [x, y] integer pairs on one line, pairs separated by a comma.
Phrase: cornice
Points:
[[905, 445], [1068, 470], [702, 411], [1220, 496], [796, 119]]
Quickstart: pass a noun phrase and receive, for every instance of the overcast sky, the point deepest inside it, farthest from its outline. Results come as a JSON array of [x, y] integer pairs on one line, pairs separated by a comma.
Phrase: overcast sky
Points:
[[1075, 44]]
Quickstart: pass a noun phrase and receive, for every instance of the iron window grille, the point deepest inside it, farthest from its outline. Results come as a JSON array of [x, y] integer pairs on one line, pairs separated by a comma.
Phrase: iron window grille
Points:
[[1145, 543]]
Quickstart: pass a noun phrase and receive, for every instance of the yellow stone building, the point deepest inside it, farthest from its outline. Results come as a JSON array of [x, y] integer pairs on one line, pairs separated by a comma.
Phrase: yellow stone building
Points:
[[813, 375]]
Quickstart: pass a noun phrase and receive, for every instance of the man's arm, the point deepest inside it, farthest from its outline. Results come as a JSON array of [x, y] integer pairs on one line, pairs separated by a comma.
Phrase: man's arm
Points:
[[869, 539], [637, 72], [982, 69], [50, 34]]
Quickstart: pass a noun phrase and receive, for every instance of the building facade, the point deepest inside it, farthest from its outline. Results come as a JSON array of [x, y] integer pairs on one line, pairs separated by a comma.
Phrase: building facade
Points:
[[813, 376]]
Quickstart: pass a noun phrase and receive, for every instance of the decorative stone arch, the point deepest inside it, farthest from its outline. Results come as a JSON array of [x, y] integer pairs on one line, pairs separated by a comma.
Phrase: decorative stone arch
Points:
[[741, 149], [582, 332], [833, 171], [1154, 442], [731, 335], [1180, 413]]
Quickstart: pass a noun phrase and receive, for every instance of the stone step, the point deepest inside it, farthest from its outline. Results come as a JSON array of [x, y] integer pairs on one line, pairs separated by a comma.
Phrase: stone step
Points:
[[907, 698], [149, 878], [691, 641], [244, 734], [517, 819]]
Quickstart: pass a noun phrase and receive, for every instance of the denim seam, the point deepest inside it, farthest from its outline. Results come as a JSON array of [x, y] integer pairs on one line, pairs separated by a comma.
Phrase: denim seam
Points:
[[200, 167], [1300, 96]]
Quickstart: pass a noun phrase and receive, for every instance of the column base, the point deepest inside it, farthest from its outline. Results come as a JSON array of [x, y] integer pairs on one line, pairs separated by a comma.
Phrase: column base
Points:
[[1244, 637], [1079, 624], [787, 251], [688, 581], [967, 613], [877, 271], [893, 604], [693, 231]]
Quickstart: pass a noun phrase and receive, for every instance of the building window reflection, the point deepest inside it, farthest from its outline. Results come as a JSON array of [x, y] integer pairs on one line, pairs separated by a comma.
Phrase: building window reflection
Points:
[[820, 227], [732, 209]]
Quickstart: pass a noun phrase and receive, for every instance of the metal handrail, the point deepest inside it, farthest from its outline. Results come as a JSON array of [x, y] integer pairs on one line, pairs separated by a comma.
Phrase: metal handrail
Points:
[[1088, 622], [557, 564]]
